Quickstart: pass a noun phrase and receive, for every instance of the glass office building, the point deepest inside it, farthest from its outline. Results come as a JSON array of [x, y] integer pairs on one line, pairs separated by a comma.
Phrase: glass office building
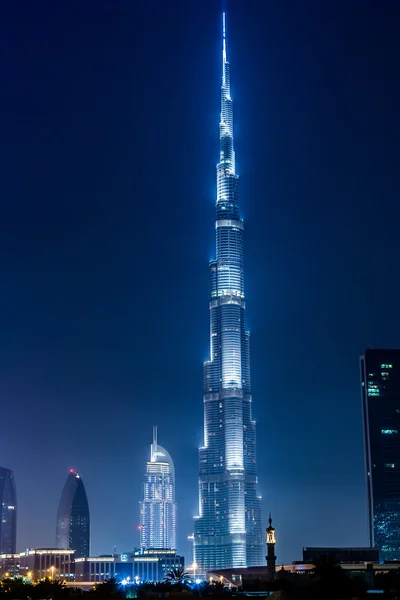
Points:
[[380, 393], [227, 530], [158, 508], [73, 519], [8, 523]]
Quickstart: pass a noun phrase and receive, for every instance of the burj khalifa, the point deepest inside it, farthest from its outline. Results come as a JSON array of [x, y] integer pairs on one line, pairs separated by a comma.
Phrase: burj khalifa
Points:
[[227, 530]]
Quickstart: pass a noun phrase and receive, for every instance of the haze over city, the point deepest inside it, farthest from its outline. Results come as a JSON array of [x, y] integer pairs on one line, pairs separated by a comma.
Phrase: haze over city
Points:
[[110, 141]]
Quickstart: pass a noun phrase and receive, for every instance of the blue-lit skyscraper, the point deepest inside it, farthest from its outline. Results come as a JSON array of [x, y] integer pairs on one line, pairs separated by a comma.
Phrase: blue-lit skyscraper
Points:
[[228, 532], [73, 517], [8, 521], [380, 393], [158, 508]]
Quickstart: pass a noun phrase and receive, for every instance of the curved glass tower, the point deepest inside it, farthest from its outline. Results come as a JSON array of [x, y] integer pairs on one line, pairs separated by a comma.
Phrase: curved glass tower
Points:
[[158, 507], [73, 518], [8, 522], [227, 532]]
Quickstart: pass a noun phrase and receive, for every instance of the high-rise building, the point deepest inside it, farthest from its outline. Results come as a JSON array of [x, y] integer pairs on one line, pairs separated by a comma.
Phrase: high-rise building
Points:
[[228, 531], [380, 393], [73, 518], [158, 508], [8, 522]]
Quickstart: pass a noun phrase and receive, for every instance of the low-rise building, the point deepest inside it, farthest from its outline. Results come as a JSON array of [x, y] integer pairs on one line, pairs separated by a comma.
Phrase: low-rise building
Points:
[[9, 565], [140, 565], [341, 555], [51, 563]]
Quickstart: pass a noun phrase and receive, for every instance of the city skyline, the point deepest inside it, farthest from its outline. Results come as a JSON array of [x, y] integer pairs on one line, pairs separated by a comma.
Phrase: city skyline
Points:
[[228, 530], [110, 125]]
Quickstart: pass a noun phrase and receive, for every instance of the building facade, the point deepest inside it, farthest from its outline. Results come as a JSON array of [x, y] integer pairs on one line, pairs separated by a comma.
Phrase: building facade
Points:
[[46, 563], [380, 393], [9, 565], [73, 518], [158, 509], [228, 530], [138, 566], [8, 521]]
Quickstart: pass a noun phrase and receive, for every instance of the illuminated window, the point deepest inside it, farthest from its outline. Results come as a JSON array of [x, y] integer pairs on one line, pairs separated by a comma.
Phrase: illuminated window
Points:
[[386, 366], [384, 373], [389, 465], [388, 431]]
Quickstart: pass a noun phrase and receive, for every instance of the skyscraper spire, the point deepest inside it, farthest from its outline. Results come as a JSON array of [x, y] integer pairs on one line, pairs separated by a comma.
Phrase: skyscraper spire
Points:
[[223, 45], [228, 529], [153, 449]]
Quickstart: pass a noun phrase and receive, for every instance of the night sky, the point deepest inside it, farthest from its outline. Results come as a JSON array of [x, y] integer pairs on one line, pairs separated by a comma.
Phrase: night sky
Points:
[[109, 141]]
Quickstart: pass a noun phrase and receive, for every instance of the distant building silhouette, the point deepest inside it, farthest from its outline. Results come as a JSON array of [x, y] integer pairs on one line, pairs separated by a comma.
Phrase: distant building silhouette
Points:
[[8, 504], [73, 519], [341, 555], [158, 507], [380, 392]]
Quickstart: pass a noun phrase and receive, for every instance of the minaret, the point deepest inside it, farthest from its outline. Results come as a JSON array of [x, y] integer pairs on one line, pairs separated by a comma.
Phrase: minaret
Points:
[[228, 531], [271, 541]]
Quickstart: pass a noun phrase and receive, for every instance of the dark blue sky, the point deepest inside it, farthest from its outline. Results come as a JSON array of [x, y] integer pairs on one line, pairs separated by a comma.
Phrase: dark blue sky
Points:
[[109, 141]]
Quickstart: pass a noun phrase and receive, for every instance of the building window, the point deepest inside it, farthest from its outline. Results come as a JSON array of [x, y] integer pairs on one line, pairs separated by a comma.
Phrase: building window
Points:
[[389, 465], [389, 431]]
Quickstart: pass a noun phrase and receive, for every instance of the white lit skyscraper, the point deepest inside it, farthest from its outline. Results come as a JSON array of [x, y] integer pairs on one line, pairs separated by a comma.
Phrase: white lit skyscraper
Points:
[[158, 507], [227, 532]]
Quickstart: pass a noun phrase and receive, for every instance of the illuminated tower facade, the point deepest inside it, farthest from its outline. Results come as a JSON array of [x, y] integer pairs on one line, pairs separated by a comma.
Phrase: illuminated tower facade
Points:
[[380, 394], [8, 522], [227, 531], [73, 518], [158, 509]]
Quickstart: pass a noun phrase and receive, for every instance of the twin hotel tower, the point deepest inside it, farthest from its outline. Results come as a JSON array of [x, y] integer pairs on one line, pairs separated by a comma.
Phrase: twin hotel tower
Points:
[[228, 532]]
